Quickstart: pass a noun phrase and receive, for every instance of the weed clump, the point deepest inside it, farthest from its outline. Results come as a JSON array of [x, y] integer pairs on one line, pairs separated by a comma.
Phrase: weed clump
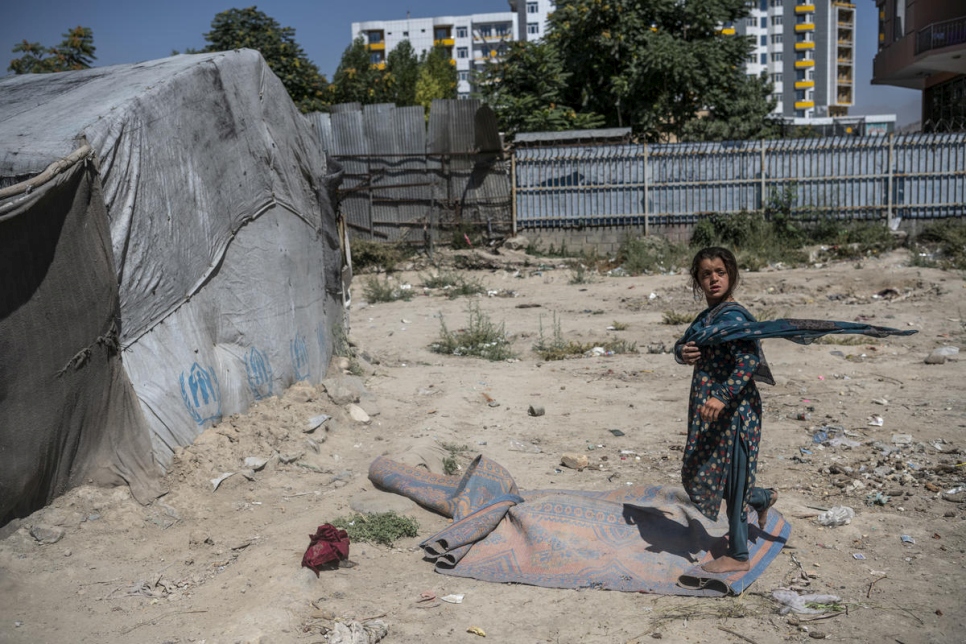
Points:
[[374, 256], [384, 528], [377, 290], [454, 284], [673, 317], [941, 245], [480, 338], [646, 255], [556, 347]]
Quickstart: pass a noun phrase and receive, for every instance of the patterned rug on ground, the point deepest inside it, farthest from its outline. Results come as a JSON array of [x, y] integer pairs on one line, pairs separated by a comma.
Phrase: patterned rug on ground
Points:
[[643, 539]]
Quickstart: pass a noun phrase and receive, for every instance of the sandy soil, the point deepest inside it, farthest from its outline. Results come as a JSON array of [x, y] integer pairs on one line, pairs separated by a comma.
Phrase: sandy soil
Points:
[[224, 566]]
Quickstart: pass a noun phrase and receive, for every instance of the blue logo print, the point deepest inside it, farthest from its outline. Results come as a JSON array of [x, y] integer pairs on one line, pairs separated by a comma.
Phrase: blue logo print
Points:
[[201, 394], [259, 374], [300, 357]]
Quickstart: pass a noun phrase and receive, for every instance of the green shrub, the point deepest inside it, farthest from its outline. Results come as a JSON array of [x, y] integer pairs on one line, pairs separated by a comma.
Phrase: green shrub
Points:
[[673, 317], [481, 338], [382, 528], [382, 290], [651, 255], [454, 284], [943, 243], [379, 256]]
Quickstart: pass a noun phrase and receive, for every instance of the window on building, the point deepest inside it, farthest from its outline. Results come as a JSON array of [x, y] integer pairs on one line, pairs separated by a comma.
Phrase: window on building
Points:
[[764, 59], [776, 38], [441, 33], [502, 30], [533, 7], [405, 34], [776, 20], [763, 41], [776, 78], [375, 57], [374, 37], [461, 32], [533, 28], [776, 57], [463, 76], [752, 59], [462, 52], [800, 74], [763, 22], [486, 30]]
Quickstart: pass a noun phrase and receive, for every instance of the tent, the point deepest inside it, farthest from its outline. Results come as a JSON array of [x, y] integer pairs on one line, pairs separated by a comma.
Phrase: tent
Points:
[[169, 254]]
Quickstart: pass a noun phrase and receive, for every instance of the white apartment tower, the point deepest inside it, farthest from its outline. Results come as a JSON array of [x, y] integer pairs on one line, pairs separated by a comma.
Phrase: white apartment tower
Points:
[[807, 49], [805, 46], [472, 40]]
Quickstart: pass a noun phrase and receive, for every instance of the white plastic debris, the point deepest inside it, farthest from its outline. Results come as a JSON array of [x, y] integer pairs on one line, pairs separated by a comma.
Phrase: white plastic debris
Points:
[[793, 602], [453, 599], [217, 481], [315, 422], [836, 516]]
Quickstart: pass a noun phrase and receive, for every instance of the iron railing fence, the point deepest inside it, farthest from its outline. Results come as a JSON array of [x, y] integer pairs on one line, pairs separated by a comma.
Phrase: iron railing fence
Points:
[[919, 176]]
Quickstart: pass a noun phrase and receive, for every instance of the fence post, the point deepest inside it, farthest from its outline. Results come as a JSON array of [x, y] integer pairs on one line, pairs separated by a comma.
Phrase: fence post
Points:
[[647, 206], [889, 186], [513, 192], [372, 229], [761, 197]]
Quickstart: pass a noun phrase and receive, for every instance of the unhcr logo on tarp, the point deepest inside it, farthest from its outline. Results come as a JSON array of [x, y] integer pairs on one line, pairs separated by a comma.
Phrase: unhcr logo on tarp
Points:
[[201, 394], [259, 374], [300, 358]]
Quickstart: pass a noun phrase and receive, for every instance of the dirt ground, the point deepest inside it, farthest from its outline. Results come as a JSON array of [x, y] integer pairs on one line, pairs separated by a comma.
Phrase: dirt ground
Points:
[[224, 566]]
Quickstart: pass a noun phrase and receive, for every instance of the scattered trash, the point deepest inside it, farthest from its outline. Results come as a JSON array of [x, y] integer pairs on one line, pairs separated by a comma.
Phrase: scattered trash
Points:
[[617, 432], [476, 630], [902, 439], [315, 422], [453, 599], [836, 516], [877, 498], [329, 545], [941, 354], [217, 481], [905, 538], [858, 555], [535, 410], [875, 421], [820, 436], [520, 446], [369, 631], [813, 604], [880, 401]]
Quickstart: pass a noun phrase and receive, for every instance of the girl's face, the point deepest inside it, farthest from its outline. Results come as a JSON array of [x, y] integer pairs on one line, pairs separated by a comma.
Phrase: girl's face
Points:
[[713, 280]]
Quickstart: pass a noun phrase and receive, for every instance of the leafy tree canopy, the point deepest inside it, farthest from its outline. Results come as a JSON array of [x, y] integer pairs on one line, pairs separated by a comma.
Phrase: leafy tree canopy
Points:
[[525, 88], [402, 72], [253, 29], [437, 77], [75, 52], [356, 79], [654, 64]]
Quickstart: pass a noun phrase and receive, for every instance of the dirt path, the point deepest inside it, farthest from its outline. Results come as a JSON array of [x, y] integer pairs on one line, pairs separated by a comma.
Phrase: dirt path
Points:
[[223, 566]]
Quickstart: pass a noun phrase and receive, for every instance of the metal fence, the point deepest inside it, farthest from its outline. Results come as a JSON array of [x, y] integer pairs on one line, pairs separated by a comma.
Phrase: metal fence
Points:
[[405, 182], [920, 176]]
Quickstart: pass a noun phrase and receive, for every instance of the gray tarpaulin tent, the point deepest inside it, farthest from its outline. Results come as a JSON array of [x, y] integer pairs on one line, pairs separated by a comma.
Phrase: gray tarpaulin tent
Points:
[[168, 255]]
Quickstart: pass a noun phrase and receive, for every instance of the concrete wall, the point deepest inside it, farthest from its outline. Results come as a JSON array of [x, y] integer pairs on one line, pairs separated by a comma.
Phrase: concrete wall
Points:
[[604, 240]]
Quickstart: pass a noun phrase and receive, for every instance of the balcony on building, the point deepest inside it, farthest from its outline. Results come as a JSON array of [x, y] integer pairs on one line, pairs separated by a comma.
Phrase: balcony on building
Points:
[[804, 105], [804, 26], [804, 84], [805, 8], [443, 36], [938, 49], [375, 40]]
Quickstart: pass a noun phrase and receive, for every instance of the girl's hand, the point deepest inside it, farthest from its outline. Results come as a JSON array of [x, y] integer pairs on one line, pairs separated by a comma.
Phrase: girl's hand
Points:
[[690, 353], [711, 409]]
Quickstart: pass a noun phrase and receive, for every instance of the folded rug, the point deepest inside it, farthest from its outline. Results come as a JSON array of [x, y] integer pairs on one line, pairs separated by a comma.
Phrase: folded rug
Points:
[[646, 539]]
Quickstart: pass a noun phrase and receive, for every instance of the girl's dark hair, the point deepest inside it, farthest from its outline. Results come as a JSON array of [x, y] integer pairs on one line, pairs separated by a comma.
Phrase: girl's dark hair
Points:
[[726, 257]]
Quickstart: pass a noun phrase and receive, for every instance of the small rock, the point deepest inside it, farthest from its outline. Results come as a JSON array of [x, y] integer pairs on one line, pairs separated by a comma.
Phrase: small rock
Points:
[[935, 358], [575, 461], [357, 413], [315, 422], [516, 243], [817, 635], [47, 535], [255, 462], [536, 410], [344, 389]]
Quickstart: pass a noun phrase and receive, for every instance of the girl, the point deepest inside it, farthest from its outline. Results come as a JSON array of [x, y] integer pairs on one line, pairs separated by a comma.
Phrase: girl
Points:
[[724, 411]]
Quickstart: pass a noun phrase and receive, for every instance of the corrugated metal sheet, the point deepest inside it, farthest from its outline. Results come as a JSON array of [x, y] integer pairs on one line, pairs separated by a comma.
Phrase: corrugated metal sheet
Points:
[[572, 137], [401, 183], [916, 176]]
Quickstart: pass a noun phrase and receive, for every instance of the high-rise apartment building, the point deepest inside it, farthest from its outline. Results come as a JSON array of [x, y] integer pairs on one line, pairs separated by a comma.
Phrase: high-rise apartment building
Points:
[[471, 40], [805, 46]]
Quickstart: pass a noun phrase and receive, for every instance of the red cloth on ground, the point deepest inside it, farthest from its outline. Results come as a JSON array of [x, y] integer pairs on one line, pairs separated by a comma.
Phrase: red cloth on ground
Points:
[[329, 544]]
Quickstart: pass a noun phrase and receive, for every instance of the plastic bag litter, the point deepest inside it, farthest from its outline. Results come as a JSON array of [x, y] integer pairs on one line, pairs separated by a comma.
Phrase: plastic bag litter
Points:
[[793, 602], [367, 632], [836, 516]]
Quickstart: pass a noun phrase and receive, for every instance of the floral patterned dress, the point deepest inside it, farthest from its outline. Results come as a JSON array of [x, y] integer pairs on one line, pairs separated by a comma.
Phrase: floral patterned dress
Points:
[[726, 372]]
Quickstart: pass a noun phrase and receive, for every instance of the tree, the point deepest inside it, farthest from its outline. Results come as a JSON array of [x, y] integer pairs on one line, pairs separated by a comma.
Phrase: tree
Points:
[[357, 80], [736, 113], [437, 77], [402, 72], [253, 29], [651, 64], [75, 52], [525, 88]]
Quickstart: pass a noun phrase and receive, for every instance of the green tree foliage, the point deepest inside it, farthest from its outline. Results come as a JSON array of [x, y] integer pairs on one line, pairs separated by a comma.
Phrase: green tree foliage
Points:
[[437, 77], [652, 64], [76, 51], [253, 29], [735, 113], [402, 72], [357, 80], [525, 88]]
